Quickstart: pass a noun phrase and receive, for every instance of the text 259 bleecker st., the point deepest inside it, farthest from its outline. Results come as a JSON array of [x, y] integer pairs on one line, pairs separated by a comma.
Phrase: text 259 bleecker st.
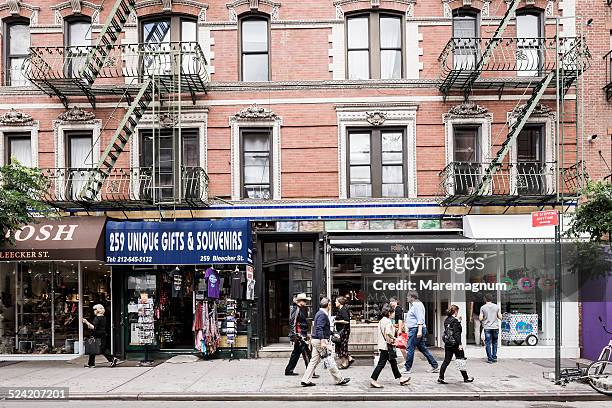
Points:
[[153, 241]]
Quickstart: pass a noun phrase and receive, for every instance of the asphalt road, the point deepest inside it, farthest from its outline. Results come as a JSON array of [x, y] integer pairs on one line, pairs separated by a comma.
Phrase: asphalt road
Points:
[[334, 404]]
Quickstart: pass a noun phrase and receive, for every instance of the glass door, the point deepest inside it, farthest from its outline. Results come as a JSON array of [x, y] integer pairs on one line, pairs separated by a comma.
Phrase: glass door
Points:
[[142, 299]]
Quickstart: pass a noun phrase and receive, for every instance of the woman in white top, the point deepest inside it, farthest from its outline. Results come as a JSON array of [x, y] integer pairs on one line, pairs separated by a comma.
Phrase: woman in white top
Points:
[[386, 348]]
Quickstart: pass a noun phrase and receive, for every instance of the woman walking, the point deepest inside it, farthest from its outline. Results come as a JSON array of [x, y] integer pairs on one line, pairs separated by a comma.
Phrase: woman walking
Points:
[[99, 332], [343, 326], [387, 351], [452, 344]]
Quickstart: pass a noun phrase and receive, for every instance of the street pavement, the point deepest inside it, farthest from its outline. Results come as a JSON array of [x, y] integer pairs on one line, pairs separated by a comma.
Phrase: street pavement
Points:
[[264, 379]]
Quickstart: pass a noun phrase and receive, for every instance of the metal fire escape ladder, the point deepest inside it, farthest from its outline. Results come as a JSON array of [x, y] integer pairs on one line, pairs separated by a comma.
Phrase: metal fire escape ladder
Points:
[[108, 37], [490, 47], [521, 119], [120, 139]]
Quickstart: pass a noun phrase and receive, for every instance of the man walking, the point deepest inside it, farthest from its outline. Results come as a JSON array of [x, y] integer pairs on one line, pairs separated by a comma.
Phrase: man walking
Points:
[[417, 332], [398, 315], [490, 315], [321, 332], [298, 331]]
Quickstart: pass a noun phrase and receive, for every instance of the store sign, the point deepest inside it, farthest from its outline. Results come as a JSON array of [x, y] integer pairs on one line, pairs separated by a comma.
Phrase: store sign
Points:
[[178, 243], [65, 239], [544, 218]]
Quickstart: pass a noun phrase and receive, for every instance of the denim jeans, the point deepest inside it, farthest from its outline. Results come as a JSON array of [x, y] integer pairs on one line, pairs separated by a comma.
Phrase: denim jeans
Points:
[[420, 344], [491, 343]]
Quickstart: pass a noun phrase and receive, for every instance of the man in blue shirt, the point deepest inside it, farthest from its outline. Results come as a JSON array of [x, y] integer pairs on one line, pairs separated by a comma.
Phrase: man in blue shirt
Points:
[[417, 332]]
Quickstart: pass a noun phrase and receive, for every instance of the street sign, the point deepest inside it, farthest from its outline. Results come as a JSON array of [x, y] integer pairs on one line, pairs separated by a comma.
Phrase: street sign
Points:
[[544, 218]]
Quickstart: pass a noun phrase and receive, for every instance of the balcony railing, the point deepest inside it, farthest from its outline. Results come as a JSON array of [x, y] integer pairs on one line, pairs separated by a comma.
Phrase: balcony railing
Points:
[[126, 187], [169, 61], [608, 87], [519, 182], [461, 60]]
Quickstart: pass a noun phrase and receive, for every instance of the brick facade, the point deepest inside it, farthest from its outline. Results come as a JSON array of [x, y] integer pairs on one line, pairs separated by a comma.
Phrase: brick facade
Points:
[[303, 91]]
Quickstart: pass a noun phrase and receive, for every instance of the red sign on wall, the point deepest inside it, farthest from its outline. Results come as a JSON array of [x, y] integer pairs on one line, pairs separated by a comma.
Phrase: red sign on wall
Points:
[[544, 218]]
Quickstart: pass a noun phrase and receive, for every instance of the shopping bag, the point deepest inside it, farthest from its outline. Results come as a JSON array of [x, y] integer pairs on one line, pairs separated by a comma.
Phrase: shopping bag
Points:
[[461, 364], [93, 345], [401, 341]]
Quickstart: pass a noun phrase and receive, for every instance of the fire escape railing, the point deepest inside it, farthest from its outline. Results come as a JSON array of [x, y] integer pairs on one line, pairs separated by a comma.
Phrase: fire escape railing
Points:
[[123, 187], [608, 86], [526, 182]]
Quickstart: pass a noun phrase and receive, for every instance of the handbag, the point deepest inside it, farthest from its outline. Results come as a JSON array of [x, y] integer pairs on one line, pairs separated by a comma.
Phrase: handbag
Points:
[[461, 364], [93, 346], [336, 337], [390, 348], [401, 341]]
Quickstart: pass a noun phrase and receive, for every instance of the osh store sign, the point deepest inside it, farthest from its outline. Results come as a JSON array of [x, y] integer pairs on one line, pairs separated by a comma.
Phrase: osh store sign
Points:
[[178, 243]]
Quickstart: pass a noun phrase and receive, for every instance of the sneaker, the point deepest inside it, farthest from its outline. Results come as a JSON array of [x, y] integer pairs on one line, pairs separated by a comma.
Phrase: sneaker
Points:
[[469, 380], [435, 370], [114, 362], [308, 384], [406, 372], [490, 361], [441, 381], [291, 374], [90, 366], [315, 376], [344, 381]]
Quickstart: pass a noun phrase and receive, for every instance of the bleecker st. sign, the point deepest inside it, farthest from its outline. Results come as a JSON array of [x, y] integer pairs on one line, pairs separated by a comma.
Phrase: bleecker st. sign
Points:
[[69, 238]]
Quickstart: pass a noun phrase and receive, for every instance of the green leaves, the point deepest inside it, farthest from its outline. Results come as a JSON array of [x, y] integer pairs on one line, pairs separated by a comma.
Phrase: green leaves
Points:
[[594, 217], [21, 192]]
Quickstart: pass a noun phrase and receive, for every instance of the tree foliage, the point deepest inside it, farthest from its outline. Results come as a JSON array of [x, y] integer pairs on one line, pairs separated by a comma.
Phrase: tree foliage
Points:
[[594, 216], [21, 191]]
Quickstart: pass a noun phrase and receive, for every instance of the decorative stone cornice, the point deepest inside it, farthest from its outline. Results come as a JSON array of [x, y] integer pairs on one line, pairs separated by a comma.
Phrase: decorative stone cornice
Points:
[[255, 112], [14, 117], [76, 7], [271, 7], [376, 118], [467, 109], [167, 120], [76, 114], [539, 110], [15, 8]]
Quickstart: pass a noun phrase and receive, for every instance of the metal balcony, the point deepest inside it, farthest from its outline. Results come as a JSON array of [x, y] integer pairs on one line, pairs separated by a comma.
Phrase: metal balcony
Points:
[[141, 187], [178, 67], [511, 63], [513, 183], [608, 87]]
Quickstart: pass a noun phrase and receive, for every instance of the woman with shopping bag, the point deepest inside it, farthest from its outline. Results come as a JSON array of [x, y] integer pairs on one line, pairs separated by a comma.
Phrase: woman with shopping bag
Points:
[[386, 349], [452, 345], [96, 344]]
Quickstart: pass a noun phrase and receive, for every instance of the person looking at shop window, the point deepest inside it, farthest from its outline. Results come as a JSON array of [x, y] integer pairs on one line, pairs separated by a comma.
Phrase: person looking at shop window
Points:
[[298, 333], [321, 350], [490, 315], [417, 333], [98, 325], [452, 345]]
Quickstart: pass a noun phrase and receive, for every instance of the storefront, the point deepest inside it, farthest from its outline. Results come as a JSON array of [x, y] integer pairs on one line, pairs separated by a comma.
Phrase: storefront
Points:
[[49, 280], [182, 286], [457, 269]]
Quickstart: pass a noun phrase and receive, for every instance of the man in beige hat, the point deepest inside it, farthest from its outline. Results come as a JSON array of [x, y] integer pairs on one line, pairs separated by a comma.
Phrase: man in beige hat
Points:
[[298, 333]]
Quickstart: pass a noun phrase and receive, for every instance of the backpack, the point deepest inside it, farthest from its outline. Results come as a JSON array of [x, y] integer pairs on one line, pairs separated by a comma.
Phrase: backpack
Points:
[[449, 335]]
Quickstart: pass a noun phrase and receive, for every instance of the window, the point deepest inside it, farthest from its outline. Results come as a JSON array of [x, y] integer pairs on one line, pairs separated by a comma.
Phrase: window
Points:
[[374, 46], [160, 162], [256, 164], [159, 33], [465, 37], [19, 148], [466, 155], [78, 36], [255, 49], [79, 159], [530, 166], [529, 43], [17, 46], [376, 163]]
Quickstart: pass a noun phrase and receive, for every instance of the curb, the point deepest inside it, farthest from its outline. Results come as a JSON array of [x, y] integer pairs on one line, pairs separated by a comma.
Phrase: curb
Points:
[[357, 396]]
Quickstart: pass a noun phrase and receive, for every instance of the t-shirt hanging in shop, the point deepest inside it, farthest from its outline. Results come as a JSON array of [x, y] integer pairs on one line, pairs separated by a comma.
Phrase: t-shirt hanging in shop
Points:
[[177, 283], [237, 279], [214, 284]]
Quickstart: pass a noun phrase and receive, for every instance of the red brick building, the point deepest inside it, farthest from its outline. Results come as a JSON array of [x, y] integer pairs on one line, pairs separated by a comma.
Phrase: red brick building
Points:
[[327, 124]]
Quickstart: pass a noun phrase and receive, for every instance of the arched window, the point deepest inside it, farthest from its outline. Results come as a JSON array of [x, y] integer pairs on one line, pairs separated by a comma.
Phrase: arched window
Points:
[[529, 33], [17, 44], [375, 46], [465, 38], [254, 49]]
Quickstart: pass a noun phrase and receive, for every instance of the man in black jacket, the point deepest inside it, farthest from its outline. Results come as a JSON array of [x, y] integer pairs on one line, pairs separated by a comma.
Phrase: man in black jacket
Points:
[[298, 333]]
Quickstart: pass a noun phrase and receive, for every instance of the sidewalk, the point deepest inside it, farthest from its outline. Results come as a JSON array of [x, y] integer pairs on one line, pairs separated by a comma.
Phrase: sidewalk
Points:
[[263, 379]]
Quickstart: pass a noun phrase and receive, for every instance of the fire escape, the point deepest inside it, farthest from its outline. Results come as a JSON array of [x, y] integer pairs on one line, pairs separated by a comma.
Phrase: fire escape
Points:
[[530, 68], [150, 78]]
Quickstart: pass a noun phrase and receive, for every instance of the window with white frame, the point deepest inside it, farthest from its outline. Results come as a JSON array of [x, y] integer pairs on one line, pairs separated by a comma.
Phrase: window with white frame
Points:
[[17, 49], [256, 163], [254, 49]]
